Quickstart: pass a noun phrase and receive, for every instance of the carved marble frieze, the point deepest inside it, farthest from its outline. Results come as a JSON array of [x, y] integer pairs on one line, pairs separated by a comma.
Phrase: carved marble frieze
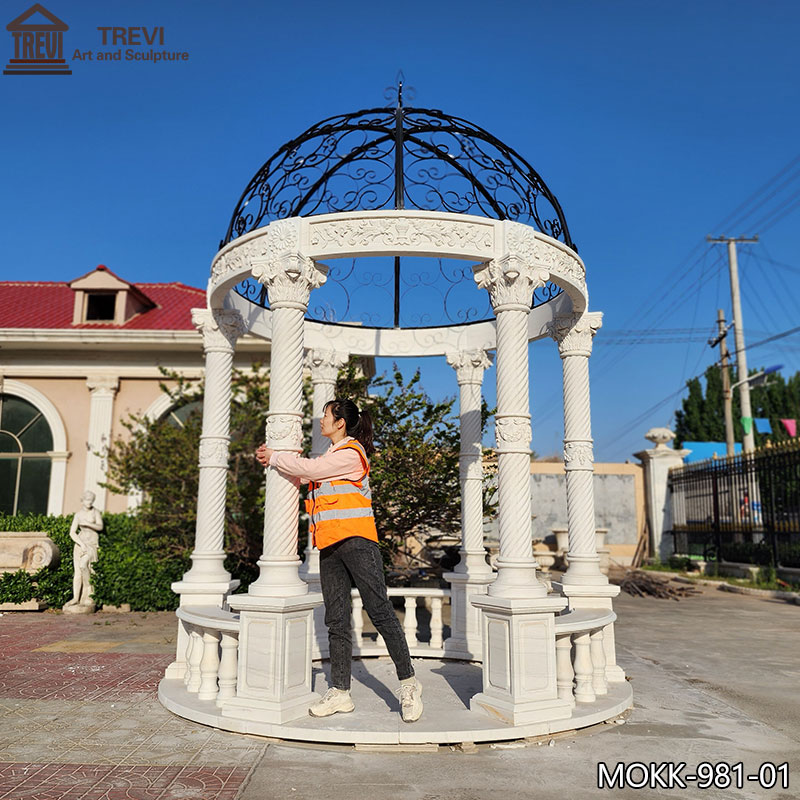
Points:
[[578, 455], [402, 233], [512, 430], [522, 241], [214, 451], [284, 431], [261, 247]]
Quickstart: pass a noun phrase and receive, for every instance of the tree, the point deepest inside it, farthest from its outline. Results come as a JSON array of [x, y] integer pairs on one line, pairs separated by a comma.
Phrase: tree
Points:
[[702, 416], [414, 472], [160, 459]]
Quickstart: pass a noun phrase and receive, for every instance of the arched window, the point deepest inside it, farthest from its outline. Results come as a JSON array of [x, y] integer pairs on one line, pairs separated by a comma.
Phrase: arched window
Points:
[[25, 463], [178, 414]]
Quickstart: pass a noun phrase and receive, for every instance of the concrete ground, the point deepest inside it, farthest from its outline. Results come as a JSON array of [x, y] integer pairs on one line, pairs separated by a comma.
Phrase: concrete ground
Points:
[[715, 679]]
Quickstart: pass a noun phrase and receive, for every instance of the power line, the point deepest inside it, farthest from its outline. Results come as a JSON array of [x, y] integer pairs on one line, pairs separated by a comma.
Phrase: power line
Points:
[[641, 417]]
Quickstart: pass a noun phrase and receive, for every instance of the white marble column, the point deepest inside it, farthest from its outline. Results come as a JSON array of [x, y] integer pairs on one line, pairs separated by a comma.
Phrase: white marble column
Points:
[[583, 584], [324, 366], [276, 615], [289, 279], [220, 328], [472, 574], [207, 582], [511, 283], [103, 389], [518, 618], [574, 334]]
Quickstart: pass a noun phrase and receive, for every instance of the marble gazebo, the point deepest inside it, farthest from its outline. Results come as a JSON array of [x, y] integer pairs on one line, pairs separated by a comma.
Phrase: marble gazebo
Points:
[[400, 186]]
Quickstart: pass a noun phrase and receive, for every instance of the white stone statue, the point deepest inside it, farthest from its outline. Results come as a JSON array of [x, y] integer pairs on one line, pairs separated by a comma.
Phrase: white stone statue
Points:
[[85, 526]]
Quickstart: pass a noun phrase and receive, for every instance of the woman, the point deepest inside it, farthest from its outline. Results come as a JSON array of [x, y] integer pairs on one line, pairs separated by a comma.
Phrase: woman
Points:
[[344, 530]]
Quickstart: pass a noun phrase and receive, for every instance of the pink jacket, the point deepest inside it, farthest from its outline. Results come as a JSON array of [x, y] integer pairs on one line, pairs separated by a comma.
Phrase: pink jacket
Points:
[[332, 465]]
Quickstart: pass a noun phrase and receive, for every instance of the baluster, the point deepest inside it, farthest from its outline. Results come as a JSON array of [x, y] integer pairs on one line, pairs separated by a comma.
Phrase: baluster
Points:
[[583, 669], [358, 621], [228, 666], [410, 622], [187, 656], [209, 666], [436, 621], [565, 675], [195, 657], [598, 651]]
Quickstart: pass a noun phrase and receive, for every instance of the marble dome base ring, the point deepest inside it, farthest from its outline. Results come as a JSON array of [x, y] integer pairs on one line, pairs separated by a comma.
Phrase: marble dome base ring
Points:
[[447, 719]]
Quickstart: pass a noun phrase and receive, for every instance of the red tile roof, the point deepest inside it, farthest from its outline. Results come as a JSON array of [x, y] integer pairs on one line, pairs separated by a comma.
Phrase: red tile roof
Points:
[[49, 304]]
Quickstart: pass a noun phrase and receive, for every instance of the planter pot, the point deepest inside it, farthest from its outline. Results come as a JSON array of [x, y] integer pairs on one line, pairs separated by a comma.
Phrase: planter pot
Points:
[[546, 558]]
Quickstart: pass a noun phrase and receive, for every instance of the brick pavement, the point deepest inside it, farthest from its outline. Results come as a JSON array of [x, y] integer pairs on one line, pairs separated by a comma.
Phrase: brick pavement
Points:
[[714, 679], [79, 719]]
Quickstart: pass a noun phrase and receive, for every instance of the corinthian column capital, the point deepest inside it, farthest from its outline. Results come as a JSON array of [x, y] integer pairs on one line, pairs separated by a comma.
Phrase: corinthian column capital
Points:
[[220, 327], [574, 332], [510, 281], [103, 385], [289, 278], [469, 365], [324, 364]]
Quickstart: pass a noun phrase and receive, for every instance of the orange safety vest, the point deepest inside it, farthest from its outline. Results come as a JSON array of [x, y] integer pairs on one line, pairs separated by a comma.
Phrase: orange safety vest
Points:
[[342, 508]]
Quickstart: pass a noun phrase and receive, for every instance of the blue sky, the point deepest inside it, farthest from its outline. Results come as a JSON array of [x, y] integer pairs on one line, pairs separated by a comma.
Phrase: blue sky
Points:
[[651, 122]]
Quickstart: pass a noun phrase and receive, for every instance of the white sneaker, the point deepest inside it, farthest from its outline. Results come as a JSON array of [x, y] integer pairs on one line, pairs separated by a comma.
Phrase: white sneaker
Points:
[[332, 701], [411, 701]]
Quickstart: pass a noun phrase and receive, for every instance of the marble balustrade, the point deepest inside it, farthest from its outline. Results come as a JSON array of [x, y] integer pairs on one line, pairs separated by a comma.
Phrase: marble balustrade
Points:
[[211, 657]]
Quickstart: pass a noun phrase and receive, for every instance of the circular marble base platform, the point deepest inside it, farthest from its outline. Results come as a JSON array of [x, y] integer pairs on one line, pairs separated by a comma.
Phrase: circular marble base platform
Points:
[[447, 719]]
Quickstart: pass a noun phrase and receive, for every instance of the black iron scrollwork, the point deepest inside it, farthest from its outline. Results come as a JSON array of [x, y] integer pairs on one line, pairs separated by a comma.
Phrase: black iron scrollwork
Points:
[[398, 157]]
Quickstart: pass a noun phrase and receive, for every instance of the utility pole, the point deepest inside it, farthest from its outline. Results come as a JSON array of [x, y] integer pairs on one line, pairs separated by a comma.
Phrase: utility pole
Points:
[[749, 443], [727, 394]]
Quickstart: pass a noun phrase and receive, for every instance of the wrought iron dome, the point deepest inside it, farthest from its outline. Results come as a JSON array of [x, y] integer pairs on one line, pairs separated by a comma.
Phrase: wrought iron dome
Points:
[[397, 157]]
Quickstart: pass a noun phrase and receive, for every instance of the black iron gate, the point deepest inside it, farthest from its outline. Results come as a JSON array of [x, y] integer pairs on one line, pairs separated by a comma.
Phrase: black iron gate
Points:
[[744, 508]]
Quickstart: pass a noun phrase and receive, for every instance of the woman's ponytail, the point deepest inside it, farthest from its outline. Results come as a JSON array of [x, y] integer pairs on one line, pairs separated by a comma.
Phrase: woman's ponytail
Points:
[[358, 424]]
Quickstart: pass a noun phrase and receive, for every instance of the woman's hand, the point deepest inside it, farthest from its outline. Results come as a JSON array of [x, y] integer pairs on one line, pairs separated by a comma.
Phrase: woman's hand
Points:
[[263, 455]]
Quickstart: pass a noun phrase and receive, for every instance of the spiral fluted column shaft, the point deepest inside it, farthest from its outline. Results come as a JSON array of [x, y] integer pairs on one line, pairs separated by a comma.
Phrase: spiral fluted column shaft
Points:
[[574, 335], [214, 441], [578, 450], [516, 566], [469, 367], [220, 329], [279, 562], [471, 474], [324, 366]]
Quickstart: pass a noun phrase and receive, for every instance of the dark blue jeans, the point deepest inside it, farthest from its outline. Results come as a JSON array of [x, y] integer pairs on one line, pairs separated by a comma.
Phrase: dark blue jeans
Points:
[[359, 560]]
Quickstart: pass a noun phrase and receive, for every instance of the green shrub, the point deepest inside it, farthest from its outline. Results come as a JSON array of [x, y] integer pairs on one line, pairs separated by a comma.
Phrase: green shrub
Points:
[[16, 587], [758, 553], [767, 575], [127, 570], [789, 556], [683, 563], [53, 585]]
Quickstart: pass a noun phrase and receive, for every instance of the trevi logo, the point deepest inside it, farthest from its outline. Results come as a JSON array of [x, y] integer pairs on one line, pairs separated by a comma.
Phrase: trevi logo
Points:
[[38, 44]]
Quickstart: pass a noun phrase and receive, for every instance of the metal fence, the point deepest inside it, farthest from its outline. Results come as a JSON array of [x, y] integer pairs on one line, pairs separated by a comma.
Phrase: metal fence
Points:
[[743, 508]]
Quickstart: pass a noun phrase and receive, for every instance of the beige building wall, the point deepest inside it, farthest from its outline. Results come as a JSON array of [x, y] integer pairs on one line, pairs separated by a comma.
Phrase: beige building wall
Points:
[[59, 370], [619, 503]]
